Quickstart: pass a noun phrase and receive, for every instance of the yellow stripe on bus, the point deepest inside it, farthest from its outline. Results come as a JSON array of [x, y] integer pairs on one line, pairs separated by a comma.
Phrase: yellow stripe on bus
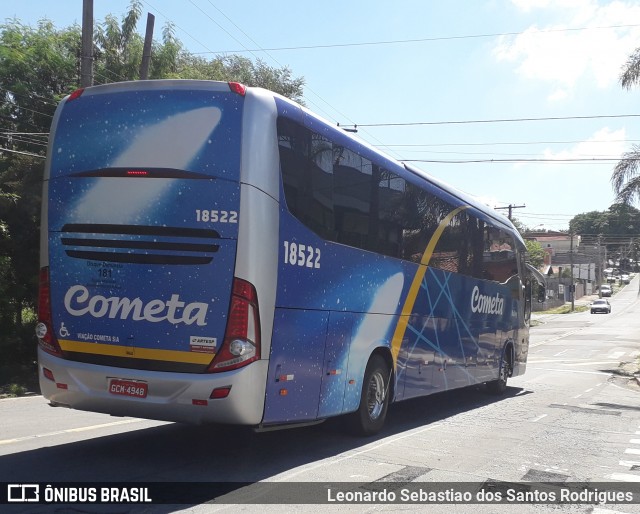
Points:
[[407, 308], [137, 352]]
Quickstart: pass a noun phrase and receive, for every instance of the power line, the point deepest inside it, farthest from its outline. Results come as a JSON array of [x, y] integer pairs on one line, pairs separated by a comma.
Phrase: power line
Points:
[[22, 153], [279, 64], [421, 40], [24, 140], [497, 143], [498, 120], [585, 160]]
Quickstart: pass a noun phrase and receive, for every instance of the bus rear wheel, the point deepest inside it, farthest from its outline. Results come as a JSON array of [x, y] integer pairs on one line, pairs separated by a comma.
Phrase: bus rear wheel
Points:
[[499, 386], [374, 399]]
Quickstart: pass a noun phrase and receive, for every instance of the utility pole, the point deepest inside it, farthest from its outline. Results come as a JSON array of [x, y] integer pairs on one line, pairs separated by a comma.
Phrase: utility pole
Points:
[[146, 52], [86, 62], [511, 207], [572, 287]]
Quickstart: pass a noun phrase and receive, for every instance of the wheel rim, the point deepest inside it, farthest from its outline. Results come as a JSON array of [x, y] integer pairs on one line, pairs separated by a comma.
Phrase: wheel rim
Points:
[[375, 396]]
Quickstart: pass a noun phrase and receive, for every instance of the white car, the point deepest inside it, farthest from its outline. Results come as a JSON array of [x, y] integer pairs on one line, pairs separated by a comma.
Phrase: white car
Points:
[[605, 290], [601, 305]]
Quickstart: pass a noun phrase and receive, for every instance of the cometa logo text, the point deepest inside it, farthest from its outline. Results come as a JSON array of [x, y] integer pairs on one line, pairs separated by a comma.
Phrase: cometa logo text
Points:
[[79, 302], [486, 304]]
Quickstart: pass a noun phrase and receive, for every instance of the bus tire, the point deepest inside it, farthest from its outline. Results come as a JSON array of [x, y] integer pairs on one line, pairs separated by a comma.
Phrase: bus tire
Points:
[[499, 386], [374, 400]]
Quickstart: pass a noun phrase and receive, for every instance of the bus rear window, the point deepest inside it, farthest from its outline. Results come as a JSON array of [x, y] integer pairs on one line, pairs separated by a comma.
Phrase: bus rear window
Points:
[[174, 129]]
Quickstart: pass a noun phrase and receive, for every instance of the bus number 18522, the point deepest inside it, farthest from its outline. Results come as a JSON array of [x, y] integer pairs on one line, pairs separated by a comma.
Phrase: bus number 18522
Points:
[[297, 254]]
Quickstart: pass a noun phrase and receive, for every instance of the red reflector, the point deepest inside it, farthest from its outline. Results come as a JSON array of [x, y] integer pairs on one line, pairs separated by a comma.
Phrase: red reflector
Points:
[[48, 374], [62, 386], [238, 88], [137, 173], [200, 402], [283, 392], [220, 392], [76, 94], [46, 336]]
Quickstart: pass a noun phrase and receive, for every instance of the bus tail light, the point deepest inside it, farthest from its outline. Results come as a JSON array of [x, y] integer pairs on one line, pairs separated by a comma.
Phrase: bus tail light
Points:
[[238, 88], [76, 94], [241, 344], [44, 329]]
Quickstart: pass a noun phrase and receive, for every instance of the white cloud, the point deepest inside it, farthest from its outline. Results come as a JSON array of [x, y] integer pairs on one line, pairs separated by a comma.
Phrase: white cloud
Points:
[[529, 5], [561, 54], [605, 143]]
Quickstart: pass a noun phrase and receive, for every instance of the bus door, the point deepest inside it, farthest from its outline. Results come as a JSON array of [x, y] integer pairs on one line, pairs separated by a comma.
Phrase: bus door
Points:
[[334, 370]]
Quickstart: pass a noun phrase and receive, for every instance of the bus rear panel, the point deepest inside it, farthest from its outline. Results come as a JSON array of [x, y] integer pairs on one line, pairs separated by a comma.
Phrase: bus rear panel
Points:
[[142, 218]]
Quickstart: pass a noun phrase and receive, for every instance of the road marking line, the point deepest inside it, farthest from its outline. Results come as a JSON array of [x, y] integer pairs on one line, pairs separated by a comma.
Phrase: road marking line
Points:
[[590, 363], [629, 463], [624, 477], [578, 396], [560, 353], [570, 371], [615, 355], [71, 431], [634, 441], [534, 420], [589, 390], [632, 451], [569, 362]]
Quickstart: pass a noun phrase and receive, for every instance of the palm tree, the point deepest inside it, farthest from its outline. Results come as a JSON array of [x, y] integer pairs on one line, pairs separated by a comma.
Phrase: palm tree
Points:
[[625, 178]]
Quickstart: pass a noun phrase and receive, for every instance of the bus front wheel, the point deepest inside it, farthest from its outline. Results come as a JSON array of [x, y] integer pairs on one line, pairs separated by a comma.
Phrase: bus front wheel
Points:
[[374, 399]]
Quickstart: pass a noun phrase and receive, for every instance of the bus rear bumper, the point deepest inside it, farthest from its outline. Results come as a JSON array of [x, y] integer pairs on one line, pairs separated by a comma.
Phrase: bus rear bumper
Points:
[[181, 397]]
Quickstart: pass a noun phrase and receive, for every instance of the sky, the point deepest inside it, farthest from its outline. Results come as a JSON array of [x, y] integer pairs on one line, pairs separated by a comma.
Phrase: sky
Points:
[[517, 102]]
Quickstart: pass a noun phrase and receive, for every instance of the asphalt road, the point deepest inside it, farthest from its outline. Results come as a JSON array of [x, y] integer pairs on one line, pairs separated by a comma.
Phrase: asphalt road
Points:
[[573, 418]]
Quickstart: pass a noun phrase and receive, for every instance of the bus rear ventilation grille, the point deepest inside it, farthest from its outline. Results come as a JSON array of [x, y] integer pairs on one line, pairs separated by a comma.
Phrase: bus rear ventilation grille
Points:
[[140, 244]]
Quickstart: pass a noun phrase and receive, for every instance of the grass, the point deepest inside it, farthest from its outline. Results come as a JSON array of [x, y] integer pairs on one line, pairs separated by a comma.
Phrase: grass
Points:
[[12, 390], [566, 309]]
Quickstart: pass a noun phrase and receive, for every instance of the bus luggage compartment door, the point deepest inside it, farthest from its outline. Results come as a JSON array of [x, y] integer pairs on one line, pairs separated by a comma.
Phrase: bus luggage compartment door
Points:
[[295, 366]]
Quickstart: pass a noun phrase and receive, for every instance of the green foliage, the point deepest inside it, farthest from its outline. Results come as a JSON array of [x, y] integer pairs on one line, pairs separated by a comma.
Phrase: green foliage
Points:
[[535, 253], [16, 390], [566, 309], [619, 220], [625, 178]]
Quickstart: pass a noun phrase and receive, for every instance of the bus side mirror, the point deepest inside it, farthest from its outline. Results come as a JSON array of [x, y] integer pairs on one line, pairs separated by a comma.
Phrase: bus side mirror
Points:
[[542, 294]]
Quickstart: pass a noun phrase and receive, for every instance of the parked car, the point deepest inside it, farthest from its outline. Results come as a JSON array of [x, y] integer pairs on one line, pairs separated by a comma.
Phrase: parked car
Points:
[[601, 305], [605, 290], [625, 279]]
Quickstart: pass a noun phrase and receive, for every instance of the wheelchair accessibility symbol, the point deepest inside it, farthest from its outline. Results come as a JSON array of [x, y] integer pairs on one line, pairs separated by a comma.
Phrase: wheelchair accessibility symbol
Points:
[[63, 332]]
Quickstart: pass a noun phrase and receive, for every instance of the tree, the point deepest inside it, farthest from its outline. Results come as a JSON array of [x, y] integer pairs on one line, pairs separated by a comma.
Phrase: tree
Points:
[[535, 253], [619, 220], [625, 177]]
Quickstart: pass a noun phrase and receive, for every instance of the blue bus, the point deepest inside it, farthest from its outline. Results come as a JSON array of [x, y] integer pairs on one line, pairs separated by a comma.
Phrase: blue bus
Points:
[[215, 253]]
